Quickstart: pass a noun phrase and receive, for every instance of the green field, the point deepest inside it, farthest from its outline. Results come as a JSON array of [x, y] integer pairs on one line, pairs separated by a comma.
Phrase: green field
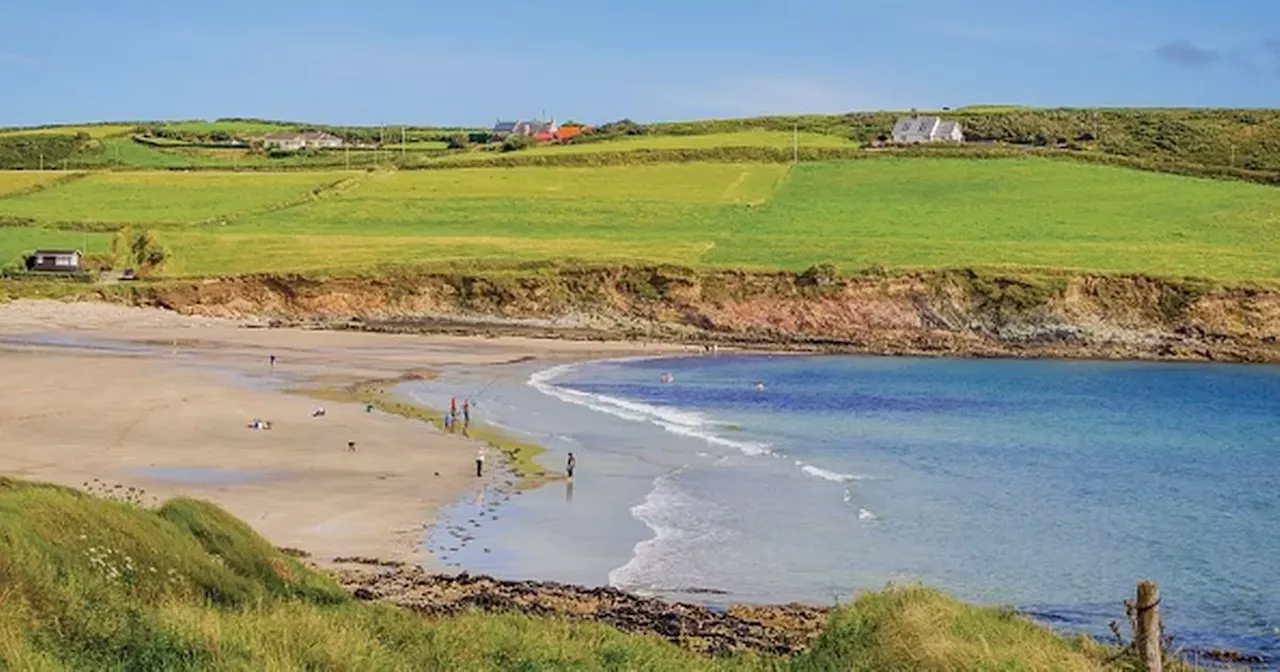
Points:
[[417, 146], [96, 131], [770, 139], [1010, 213], [617, 213], [246, 128], [15, 181], [124, 151], [18, 240], [898, 213], [149, 198]]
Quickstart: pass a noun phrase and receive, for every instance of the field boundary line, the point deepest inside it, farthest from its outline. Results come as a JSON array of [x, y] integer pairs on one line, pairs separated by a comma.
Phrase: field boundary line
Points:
[[51, 184], [318, 193]]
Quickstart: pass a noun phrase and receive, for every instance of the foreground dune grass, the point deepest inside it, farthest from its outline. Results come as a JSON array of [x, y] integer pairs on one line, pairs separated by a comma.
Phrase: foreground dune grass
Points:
[[87, 583]]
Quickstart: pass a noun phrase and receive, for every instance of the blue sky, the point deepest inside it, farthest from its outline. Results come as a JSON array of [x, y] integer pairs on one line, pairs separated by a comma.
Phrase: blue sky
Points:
[[466, 63]]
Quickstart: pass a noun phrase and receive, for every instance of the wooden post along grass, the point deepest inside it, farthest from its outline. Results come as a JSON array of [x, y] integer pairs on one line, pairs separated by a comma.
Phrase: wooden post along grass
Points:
[[1147, 633]]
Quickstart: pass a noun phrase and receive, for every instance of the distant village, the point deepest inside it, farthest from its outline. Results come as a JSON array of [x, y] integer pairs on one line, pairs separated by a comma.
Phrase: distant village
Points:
[[536, 130], [913, 129]]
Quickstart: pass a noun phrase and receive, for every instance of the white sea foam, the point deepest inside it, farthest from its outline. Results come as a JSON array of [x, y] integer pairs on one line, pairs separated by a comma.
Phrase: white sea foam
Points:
[[679, 520], [827, 474], [865, 514], [684, 423]]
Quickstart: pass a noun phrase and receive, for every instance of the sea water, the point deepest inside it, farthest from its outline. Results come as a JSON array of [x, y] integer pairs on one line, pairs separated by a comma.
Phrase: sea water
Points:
[[1046, 485]]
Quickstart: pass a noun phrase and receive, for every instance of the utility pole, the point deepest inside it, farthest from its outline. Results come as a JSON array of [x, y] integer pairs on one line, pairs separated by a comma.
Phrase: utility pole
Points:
[[795, 144], [346, 152], [402, 143], [1233, 155], [42, 162]]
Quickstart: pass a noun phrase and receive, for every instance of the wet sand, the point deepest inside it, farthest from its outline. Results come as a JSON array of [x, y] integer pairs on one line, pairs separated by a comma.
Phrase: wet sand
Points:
[[155, 400]]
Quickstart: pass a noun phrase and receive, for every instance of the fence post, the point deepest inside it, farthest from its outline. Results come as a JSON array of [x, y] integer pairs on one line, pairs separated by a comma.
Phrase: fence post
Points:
[[1147, 636]]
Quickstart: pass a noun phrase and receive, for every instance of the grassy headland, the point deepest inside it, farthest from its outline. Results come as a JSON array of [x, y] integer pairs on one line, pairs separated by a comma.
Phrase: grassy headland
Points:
[[93, 584]]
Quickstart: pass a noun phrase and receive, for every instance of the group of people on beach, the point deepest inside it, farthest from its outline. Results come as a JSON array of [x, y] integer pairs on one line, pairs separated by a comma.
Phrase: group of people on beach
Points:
[[454, 421]]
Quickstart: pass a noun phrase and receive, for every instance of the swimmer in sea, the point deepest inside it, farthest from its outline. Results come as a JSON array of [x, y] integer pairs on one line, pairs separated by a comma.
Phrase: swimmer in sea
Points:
[[760, 386], [668, 378]]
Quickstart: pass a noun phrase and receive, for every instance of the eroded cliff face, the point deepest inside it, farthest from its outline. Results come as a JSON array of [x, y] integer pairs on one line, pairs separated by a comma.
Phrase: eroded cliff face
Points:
[[945, 312]]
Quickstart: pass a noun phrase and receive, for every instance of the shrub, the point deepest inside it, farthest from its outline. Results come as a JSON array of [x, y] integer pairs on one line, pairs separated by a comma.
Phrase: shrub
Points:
[[513, 143]]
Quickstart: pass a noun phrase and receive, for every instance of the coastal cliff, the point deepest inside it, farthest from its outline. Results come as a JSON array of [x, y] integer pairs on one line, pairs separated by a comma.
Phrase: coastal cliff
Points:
[[950, 312]]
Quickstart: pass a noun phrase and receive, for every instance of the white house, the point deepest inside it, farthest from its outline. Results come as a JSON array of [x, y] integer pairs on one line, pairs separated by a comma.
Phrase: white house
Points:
[[294, 141], [913, 129]]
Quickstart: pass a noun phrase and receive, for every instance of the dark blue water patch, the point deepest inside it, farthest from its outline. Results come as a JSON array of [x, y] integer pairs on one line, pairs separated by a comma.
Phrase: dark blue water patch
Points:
[[795, 398], [204, 475]]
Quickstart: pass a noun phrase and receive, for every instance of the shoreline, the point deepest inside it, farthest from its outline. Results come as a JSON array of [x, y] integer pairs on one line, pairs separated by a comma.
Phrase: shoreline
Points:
[[158, 401]]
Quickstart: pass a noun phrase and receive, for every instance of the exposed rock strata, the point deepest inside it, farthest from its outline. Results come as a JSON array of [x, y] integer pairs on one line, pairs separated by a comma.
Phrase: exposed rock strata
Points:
[[956, 313], [783, 629]]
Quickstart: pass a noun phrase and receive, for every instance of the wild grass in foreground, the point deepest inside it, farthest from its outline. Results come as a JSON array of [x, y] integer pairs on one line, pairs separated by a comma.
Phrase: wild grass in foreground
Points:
[[87, 583]]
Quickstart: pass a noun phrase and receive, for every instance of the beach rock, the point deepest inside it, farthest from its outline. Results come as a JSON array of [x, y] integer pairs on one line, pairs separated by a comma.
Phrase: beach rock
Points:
[[774, 629]]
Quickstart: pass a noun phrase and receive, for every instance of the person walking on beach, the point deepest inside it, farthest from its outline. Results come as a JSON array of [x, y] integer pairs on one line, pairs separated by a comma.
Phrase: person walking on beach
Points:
[[453, 406], [466, 413], [448, 422], [272, 361], [569, 465], [480, 462]]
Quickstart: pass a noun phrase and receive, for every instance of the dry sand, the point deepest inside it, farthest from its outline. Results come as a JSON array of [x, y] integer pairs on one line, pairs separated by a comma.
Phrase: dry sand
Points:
[[160, 401]]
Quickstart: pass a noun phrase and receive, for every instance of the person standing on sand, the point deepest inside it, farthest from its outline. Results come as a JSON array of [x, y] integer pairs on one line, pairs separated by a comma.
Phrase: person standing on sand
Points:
[[453, 406], [466, 413], [480, 462], [448, 422], [272, 361], [569, 466]]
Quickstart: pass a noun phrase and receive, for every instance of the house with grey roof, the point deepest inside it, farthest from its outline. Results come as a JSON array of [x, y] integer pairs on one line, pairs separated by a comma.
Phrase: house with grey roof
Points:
[[916, 129], [530, 128]]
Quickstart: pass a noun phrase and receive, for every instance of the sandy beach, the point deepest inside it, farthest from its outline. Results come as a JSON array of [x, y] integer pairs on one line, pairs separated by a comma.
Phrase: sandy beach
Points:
[[162, 402]]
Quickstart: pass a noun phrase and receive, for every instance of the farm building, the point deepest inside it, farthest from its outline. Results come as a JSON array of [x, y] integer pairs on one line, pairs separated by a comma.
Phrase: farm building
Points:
[[301, 140], [541, 130], [55, 261], [915, 129]]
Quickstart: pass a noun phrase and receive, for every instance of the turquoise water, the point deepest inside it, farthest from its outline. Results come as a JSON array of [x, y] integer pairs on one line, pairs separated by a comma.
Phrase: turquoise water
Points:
[[1050, 486]]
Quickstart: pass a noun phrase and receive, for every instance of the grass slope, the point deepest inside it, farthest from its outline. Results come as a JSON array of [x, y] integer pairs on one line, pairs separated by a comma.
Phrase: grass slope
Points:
[[668, 212], [757, 138], [894, 212], [897, 213], [96, 131], [16, 241], [108, 585], [1009, 213], [161, 197], [18, 181]]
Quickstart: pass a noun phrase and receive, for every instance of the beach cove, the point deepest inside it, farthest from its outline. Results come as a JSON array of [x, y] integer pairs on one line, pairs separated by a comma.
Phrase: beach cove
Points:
[[173, 394]]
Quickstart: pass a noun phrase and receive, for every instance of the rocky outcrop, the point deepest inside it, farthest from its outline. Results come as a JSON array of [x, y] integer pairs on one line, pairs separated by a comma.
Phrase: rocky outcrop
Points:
[[781, 630], [961, 313]]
